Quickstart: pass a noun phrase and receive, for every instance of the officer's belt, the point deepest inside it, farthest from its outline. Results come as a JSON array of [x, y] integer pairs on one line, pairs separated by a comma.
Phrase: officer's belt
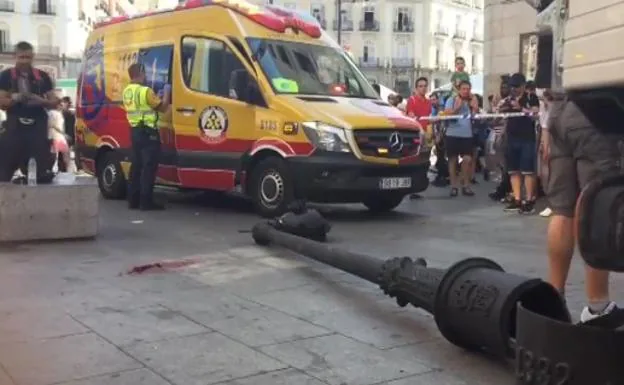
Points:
[[26, 121]]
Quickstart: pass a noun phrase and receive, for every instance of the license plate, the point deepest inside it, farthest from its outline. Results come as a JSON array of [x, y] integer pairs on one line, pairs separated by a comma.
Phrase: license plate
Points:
[[395, 183]]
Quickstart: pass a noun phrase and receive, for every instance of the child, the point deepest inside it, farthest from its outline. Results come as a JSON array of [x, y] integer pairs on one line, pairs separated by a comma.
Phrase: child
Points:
[[460, 75], [56, 133]]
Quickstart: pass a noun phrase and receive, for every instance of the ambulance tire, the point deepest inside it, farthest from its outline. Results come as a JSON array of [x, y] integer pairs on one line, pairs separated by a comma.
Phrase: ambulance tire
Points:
[[271, 187], [383, 202], [110, 176]]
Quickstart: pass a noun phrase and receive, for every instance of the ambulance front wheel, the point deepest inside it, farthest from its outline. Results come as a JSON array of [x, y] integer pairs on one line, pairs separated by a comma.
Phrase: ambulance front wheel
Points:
[[271, 187], [110, 177]]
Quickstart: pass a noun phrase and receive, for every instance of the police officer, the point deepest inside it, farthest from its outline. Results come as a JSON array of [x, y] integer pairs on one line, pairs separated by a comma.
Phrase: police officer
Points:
[[25, 94], [142, 105]]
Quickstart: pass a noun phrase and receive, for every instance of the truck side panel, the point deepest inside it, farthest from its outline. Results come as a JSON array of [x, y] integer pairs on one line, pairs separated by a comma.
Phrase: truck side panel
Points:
[[593, 34]]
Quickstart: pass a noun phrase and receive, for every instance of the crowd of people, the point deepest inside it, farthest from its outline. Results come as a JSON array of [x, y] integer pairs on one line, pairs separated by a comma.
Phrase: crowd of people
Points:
[[514, 148]]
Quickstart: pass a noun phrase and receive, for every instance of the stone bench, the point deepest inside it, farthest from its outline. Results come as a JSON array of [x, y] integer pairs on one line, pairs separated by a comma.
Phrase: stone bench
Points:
[[68, 208]]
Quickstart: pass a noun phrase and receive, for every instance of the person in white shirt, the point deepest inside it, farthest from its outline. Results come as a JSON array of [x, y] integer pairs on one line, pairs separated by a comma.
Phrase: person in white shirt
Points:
[[56, 133]]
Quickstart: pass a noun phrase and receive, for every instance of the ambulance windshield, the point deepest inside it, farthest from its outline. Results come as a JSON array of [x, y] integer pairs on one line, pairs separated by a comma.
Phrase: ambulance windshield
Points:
[[299, 68]]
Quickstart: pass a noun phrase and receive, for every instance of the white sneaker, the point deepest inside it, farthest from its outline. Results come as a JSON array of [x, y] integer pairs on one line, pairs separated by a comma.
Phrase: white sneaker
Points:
[[546, 212], [587, 315]]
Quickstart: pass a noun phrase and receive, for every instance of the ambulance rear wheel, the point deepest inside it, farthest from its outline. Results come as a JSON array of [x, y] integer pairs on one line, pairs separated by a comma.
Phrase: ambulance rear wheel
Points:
[[110, 176], [383, 202], [271, 187]]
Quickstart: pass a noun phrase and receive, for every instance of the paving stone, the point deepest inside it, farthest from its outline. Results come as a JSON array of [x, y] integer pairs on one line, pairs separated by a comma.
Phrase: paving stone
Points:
[[338, 360], [280, 377], [242, 320], [313, 301], [36, 322], [49, 361], [203, 359], [5, 379], [131, 326], [431, 378], [472, 368], [131, 377], [379, 327]]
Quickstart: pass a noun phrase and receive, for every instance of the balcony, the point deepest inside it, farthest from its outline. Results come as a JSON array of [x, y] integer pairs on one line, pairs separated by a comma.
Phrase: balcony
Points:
[[459, 35], [7, 6], [102, 5], [403, 62], [346, 25], [403, 27], [369, 25], [477, 39], [465, 3], [49, 50], [43, 8], [369, 62], [441, 31], [476, 70], [442, 67]]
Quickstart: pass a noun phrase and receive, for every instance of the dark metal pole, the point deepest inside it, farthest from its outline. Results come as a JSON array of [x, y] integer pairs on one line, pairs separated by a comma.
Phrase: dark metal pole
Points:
[[339, 23], [363, 266]]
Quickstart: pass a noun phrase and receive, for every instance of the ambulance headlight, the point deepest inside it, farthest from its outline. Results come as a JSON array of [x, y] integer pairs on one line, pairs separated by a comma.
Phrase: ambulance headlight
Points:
[[326, 137]]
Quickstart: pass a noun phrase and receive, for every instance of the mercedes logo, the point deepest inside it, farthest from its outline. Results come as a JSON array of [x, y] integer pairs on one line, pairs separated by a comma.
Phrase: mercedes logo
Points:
[[396, 142]]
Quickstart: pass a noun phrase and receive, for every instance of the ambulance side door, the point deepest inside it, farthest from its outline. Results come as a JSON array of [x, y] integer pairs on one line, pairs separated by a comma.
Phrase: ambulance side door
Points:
[[213, 128]]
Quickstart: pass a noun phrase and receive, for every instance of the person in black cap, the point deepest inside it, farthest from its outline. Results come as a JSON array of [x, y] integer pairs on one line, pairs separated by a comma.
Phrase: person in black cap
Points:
[[521, 153]]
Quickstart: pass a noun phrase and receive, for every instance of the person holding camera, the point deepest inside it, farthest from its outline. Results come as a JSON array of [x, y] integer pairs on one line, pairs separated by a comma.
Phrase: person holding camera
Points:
[[521, 153], [26, 94], [459, 138]]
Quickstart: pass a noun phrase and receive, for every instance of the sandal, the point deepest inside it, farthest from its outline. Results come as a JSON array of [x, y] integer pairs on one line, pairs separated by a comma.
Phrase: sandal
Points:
[[454, 192], [466, 191]]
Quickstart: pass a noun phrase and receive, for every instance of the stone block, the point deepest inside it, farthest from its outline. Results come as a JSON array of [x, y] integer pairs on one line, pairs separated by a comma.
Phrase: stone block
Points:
[[65, 209]]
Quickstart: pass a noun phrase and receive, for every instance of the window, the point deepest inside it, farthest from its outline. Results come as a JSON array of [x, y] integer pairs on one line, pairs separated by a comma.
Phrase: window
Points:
[[157, 63], [5, 41], [458, 22], [369, 15], [207, 65], [402, 18], [299, 68], [368, 53], [437, 83], [473, 61], [437, 56], [440, 18]]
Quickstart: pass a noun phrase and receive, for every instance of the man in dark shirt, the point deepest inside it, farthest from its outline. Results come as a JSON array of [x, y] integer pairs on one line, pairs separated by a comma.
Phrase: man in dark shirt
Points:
[[25, 93], [521, 154]]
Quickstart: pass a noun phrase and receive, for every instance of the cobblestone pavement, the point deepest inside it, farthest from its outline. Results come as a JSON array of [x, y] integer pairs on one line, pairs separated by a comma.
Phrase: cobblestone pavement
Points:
[[243, 315]]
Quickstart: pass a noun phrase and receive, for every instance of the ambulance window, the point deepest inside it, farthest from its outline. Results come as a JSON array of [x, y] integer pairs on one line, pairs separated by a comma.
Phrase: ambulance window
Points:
[[207, 65]]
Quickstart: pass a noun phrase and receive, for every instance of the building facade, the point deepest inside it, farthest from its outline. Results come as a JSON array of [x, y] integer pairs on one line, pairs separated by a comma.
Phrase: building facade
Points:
[[511, 41], [57, 28], [396, 41]]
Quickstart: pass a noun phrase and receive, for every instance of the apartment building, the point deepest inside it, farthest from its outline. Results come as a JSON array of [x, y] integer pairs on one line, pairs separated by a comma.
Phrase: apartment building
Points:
[[396, 41], [57, 28], [512, 39]]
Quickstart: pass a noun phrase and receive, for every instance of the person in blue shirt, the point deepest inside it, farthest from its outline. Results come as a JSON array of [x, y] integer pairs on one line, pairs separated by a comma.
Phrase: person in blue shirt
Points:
[[459, 138]]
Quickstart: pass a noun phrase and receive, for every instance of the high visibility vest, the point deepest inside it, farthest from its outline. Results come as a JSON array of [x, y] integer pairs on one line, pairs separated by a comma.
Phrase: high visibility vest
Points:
[[139, 113]]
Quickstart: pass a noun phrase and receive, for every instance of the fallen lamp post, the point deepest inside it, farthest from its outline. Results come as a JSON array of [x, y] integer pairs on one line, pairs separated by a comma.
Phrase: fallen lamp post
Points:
[[479, 307]]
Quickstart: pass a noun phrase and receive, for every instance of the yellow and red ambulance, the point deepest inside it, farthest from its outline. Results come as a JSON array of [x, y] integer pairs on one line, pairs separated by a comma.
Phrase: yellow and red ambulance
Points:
[[263, 103]]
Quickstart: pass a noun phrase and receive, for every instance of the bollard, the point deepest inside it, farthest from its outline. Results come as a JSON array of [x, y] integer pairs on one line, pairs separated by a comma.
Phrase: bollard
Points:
[[473, 302], [550, 351]]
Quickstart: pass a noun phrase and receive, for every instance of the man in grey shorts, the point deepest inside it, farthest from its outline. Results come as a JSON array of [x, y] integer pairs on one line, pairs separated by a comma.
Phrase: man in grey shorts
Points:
[[577, 153]]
